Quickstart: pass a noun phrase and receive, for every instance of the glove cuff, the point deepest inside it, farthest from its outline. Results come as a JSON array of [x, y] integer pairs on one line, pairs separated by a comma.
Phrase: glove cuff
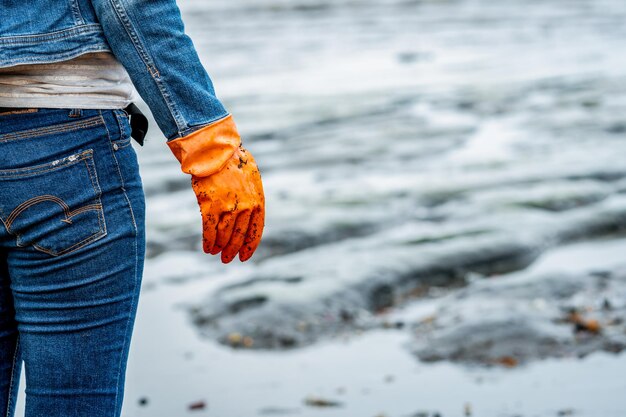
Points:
[[207, 150]]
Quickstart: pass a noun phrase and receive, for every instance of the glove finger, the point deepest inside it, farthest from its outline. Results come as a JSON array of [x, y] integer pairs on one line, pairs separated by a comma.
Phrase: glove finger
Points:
[[209, 231], [253, 235], [238, 236], [224, 231]]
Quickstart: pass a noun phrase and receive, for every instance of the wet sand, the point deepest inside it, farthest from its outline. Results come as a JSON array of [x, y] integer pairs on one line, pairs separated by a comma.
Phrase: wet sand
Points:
[[370, 374]]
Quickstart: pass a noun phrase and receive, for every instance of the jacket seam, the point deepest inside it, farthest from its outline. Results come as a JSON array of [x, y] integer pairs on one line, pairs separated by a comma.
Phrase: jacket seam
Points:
[[149, 62], [56, 58], [50, 36], [78, 17]]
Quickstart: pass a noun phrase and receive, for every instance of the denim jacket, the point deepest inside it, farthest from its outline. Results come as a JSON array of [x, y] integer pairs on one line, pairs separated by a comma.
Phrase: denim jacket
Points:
[[146, 36]]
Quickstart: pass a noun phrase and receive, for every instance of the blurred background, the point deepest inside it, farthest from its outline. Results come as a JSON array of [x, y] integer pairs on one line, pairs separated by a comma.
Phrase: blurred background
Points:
[[446, 214]]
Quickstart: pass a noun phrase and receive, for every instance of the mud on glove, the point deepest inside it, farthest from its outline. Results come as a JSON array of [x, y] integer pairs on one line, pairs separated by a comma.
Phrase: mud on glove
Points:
[[228, 187]]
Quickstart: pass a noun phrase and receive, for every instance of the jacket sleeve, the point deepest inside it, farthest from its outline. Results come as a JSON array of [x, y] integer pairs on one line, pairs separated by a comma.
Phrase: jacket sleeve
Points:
[[148, 38]]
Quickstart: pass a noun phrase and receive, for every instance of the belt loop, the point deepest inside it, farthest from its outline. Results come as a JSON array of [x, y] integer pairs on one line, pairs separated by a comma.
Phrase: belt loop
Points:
[[76, 113]]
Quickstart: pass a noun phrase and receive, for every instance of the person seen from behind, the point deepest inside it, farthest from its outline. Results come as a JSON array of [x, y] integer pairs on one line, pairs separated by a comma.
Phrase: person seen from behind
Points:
[[72, 205]]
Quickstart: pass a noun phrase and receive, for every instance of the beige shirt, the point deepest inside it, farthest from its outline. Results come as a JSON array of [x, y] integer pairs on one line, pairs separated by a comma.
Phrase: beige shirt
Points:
[[94, 80]]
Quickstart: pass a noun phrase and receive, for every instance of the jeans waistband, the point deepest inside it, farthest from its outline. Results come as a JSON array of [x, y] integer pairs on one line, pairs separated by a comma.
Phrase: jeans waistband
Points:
[[138, 121]]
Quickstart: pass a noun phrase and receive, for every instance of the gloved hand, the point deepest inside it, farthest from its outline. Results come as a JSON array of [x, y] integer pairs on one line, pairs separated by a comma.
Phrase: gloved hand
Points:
[[228, 187]]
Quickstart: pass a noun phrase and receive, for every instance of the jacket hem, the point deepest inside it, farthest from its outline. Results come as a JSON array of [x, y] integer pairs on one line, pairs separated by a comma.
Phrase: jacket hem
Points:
[[53, 46]]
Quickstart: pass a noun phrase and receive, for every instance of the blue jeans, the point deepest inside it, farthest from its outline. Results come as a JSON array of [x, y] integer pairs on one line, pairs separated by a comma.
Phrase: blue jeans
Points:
[[72, 245]]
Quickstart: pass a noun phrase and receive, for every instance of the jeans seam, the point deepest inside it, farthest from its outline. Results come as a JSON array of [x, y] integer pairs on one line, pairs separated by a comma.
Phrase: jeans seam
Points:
[[133, 304], [17, 346], [121, 119], [135, 295], [48, 130], [119, 173], [3, 222]]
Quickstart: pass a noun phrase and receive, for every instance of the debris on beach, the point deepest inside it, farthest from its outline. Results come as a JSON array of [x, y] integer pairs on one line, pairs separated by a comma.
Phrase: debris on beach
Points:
[[321, 402], [582, 324], [197, 405]]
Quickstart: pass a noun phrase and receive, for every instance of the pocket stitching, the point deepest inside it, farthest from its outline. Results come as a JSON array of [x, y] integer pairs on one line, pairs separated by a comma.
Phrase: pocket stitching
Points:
[[101, 233], [93, 176], [47, 197], [47, 130], [75, 246], [48, 166]]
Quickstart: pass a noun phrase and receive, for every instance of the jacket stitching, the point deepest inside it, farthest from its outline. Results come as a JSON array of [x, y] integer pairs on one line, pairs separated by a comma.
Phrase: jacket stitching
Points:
[[78, 18], [58, 56], [145, 57], [50, 36]]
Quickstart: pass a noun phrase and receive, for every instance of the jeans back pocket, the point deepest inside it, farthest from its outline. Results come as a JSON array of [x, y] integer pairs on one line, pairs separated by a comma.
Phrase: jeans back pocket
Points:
[[54, 207]]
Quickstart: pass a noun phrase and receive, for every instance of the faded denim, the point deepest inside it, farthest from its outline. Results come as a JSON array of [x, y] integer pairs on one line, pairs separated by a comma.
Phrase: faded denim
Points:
[[147, 37], [72, 245]]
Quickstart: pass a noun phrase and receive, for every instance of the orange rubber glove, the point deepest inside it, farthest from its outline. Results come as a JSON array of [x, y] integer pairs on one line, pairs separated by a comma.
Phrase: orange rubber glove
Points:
[[228, 187]]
